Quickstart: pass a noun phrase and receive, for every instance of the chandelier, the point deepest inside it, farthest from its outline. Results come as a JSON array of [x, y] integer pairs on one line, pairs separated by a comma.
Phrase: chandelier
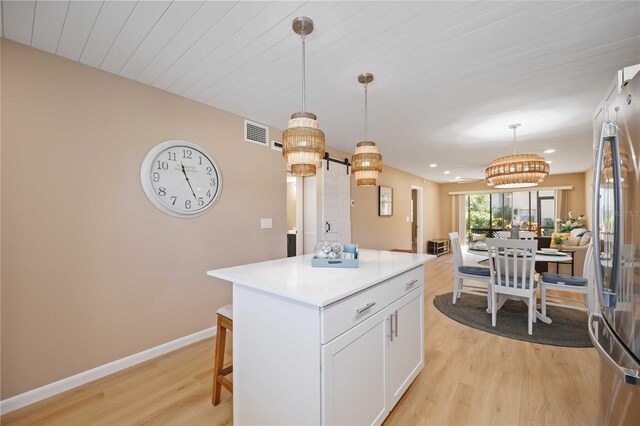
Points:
[[517, 170], [366, 162], [303, 141]]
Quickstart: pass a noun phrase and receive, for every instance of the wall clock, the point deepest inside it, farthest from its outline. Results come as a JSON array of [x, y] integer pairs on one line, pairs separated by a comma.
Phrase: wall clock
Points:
[[180, 178]]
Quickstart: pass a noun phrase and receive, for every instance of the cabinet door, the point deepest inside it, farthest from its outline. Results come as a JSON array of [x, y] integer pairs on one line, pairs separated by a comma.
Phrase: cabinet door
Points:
[[406, 348], [355, 388]]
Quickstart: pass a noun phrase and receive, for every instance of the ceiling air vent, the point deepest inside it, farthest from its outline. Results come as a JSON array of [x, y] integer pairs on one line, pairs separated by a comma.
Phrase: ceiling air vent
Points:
[[256, 133]]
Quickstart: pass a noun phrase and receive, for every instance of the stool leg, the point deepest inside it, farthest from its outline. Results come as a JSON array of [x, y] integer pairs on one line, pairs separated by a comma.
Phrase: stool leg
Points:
[[218, 362]]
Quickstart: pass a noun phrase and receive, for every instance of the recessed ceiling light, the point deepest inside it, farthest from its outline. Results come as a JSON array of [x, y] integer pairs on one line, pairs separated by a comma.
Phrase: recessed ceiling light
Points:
[[549, 161], [458, 178], [549, 151], [446, 172], [433, 165]]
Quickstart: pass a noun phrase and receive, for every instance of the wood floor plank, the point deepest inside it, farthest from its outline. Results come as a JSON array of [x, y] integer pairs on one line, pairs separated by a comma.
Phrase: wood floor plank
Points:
[[470, 378]]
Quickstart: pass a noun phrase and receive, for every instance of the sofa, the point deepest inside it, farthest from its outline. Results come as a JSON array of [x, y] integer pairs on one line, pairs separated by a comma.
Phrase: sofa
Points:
[[577, 240]]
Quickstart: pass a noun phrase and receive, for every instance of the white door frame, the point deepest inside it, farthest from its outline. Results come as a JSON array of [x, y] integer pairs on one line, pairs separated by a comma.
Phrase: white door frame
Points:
[[419, 242], [300, 215]]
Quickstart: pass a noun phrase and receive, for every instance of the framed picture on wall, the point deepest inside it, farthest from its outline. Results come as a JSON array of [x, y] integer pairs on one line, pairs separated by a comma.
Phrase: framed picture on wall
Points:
[[385, 201]]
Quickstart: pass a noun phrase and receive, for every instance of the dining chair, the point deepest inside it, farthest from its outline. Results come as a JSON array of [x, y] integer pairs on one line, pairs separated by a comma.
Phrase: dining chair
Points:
[[503, 235], [567, 283], [526, 235], [512, 275], [475, 274]]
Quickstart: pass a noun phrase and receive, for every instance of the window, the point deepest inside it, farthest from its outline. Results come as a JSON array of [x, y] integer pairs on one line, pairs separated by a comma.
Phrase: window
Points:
[[499, 211]]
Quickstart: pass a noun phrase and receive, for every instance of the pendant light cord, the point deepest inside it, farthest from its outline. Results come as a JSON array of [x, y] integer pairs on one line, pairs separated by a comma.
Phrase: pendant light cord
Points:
[[514, 127], [304, 83], [366, 114]]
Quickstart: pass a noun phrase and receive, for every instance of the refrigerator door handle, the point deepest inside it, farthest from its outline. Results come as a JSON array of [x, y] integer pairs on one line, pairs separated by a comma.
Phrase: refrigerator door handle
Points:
[[607, 297], [630, 377], [618, 210]]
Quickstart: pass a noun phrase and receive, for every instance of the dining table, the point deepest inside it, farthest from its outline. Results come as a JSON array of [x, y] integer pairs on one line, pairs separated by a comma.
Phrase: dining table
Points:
[[540, 256]]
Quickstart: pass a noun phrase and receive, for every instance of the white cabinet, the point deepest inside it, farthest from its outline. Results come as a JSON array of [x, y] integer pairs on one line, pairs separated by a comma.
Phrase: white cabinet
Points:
[[322, 351], [354, 379], [367, 369], [406, 356]]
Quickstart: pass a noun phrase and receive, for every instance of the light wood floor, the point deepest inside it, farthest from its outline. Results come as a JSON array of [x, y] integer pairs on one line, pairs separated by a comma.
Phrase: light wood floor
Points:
[[470, 377]]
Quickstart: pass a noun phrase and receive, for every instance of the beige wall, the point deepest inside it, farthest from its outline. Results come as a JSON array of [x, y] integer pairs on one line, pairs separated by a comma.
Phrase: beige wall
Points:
[[291, 205], [577, 202], [91, 270], [588, 196], [385, 233]]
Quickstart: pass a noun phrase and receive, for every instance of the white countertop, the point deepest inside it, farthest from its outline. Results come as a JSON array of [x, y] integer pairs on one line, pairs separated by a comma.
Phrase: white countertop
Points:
[[295, 278]]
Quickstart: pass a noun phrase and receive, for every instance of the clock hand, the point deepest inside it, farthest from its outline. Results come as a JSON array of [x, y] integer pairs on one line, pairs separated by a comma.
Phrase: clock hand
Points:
[[186, 177]]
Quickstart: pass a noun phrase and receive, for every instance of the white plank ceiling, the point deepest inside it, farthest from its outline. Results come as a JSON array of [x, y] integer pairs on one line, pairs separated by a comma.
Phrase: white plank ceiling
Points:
[[449, 76]]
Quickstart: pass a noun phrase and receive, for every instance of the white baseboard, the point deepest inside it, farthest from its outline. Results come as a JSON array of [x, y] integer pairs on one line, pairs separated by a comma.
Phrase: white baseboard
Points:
[[79, 379]]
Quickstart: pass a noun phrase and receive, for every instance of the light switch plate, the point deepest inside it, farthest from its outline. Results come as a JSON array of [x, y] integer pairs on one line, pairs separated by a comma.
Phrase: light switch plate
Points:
[[266, 223]]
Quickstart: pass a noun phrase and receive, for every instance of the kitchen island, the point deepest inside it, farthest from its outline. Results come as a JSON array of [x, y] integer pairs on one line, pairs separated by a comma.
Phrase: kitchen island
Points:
[[325, 345]]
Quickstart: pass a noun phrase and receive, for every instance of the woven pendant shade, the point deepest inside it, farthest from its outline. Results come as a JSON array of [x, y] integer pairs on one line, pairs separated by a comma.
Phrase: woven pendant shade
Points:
[[303, 141], [517, 171], [303, 144], [366, 163]]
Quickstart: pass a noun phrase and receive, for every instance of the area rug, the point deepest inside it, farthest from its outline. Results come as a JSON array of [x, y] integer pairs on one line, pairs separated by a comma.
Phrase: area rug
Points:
[[568, 327]]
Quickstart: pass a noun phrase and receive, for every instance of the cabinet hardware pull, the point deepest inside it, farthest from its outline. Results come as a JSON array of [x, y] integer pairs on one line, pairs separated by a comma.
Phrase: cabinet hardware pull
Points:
[[395, 315], [391, 327], [410, 284], [365, 307]]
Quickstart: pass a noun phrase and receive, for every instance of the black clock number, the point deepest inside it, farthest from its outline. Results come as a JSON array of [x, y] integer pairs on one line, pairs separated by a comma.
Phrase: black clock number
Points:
[[200, 161], [209, 193], [209, 170], [212, 181], [186, 153], [162, 191], [187, 204], [200, 202], [172, 156], [173, 200], [162, 165], [156, 176]]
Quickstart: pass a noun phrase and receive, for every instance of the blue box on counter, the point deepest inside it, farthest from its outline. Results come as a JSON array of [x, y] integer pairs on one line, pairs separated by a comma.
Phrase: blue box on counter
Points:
[[335, 263]]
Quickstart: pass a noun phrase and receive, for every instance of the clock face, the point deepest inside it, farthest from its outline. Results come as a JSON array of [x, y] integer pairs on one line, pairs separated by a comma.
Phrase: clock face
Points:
[[181, 178]]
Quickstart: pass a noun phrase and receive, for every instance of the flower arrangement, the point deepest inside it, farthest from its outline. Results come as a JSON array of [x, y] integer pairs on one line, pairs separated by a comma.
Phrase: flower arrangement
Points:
[[569, 223], [558, 241]]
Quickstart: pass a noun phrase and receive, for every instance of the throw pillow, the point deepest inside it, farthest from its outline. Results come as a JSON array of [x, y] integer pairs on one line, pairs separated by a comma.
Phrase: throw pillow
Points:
[[478, 237], [572, 241], [577, 232], [585, 239]]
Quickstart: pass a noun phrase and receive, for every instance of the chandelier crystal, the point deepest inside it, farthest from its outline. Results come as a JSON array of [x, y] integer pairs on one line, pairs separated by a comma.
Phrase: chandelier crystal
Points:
[[517, 170], [366, 162], [303, 141]]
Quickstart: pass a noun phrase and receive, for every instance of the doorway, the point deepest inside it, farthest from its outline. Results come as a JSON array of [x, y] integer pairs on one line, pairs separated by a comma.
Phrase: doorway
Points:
[[416, 220], [294, 215]]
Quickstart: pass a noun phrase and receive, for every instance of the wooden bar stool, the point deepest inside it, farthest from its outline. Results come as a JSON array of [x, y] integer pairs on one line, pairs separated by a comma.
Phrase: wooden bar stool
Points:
[[225, 322]]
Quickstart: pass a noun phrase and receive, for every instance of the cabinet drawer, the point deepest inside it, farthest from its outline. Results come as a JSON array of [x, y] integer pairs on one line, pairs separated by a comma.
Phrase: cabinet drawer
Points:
[[344, 314], [405, 282]]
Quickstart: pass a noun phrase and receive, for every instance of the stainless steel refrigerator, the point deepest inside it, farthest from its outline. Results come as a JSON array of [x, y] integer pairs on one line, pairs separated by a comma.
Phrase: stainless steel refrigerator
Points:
[[615, 329]]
